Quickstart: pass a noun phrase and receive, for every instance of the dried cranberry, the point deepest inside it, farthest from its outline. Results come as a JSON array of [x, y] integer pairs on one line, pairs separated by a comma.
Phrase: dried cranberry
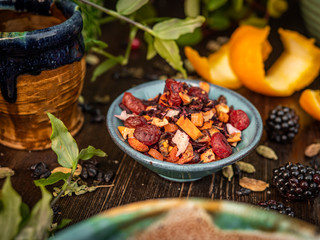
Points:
[[133, 122], [132, 103], [147, 134], [174, 88], [198, 92], [239, 119], [220, 145]]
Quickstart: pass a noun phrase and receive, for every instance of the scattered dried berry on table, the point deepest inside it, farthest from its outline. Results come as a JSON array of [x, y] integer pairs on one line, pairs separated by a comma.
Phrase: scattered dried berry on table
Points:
[[243, 192], [277, 206], [40, 170], [297, 181], [182, 125], [91, 170], [282, 124]]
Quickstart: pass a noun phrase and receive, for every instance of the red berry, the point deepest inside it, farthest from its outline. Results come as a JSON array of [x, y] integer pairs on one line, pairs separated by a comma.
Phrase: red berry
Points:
[[134, 104], [239, 119], [147, 134], [135, 44], [220, 145], [133, 122]]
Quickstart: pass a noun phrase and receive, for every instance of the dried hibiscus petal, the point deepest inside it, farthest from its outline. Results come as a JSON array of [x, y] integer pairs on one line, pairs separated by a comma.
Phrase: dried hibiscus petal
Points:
[[174, 89], [202, 95]]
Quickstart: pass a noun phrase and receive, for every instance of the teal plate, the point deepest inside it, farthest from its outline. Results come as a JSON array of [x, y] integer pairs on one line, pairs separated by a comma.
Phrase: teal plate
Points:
[[188, 172], [189, 219]]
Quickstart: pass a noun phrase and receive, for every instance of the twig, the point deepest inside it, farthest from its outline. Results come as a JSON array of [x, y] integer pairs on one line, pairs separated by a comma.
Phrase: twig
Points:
[[119, 16]]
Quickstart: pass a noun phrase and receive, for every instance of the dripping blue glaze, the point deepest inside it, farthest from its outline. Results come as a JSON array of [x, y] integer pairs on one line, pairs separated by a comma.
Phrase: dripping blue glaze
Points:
[[34, 51]]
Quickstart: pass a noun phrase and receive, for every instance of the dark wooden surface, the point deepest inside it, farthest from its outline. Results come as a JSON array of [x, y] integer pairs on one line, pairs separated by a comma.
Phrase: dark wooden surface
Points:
[[133, 182]]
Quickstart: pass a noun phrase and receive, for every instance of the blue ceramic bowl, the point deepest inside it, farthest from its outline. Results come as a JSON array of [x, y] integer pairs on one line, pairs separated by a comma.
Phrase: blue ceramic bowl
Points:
[[231, 220], [188, 172]]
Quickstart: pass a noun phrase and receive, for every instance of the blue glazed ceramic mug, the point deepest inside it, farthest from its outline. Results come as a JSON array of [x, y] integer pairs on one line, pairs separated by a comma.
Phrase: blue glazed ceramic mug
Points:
[[41, 70]]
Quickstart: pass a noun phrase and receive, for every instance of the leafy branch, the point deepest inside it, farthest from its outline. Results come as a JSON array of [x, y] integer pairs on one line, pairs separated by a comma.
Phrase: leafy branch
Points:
[[161, 38], [66, 148], [16, 221]]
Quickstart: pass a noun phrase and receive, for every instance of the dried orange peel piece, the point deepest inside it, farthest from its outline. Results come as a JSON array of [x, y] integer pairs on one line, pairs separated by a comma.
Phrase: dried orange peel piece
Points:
[[216, 68], [310, 102], [296, 68]]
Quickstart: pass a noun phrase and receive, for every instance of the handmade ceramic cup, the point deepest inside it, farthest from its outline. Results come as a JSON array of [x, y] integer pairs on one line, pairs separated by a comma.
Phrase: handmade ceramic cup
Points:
[[41, 70]]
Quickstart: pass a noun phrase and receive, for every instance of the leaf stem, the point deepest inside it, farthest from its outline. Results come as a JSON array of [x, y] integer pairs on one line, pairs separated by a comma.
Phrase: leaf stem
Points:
[[133, 32], [119, 16], [64, 187]]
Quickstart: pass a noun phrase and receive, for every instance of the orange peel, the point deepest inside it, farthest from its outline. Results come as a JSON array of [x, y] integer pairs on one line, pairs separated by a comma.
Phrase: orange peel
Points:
[[214, 69], [296, 68], [310, 102]]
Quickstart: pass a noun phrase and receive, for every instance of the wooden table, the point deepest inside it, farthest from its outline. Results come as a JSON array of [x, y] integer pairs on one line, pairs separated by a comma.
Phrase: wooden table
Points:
[[133, 182]]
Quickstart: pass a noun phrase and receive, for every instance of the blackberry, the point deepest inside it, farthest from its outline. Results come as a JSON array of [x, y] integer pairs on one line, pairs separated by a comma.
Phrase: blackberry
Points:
[[277, 206], [282, 124], [296, 181]]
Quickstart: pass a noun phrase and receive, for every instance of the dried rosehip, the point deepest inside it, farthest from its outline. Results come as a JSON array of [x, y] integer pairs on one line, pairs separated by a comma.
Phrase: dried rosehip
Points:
[[147, 134], [199, 93], [239, 119], [220, 146], [174, 88], [134, 104], [133, 122]]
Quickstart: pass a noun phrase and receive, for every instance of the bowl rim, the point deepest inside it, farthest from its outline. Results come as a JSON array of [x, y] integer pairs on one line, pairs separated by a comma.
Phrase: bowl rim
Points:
[[185, 167]]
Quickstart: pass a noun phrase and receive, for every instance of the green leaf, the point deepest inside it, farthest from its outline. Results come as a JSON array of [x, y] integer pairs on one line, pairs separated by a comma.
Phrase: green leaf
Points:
[[62, 143], [89, 152], [126, 7], [169, 50], [148, 11], [215, 4], [237, 5], [190, 39], [255, 21], [276, 7], [25, 214], [151, 52], [64, 222], [40, 219], [95, 43], [10, 216], [103, 67], [53, 178], [192, 8], [174, 28], [218, 21]]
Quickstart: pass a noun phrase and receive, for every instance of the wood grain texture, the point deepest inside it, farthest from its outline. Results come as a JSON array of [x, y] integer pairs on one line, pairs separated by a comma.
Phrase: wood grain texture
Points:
[[133, 182]]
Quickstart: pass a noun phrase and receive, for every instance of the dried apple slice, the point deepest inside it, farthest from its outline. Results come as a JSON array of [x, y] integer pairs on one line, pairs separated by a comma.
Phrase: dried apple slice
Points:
[[295, 69]]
